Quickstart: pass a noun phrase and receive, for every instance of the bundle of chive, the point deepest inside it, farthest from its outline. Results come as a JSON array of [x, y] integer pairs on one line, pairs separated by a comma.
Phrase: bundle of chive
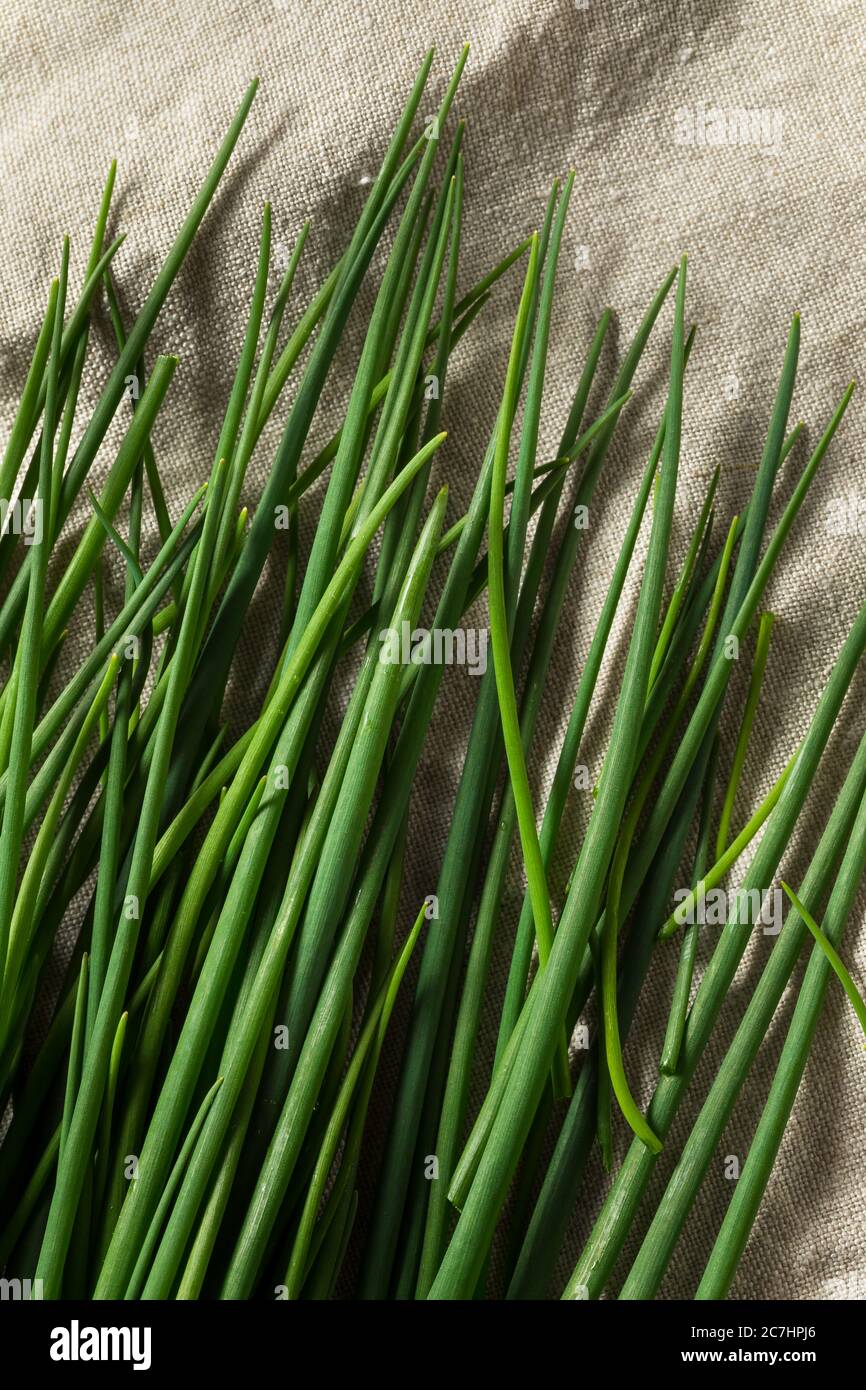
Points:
[[192, 1124]]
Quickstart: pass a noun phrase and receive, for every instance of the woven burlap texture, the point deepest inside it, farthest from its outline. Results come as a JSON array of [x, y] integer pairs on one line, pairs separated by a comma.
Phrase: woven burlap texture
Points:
[[769, 209]]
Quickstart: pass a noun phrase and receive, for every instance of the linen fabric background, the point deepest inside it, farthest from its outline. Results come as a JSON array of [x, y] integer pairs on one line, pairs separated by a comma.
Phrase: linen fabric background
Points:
[[770, 228]]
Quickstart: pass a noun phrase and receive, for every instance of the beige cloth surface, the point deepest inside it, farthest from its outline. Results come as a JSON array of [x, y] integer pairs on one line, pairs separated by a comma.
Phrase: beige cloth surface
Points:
[[770, 227]]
